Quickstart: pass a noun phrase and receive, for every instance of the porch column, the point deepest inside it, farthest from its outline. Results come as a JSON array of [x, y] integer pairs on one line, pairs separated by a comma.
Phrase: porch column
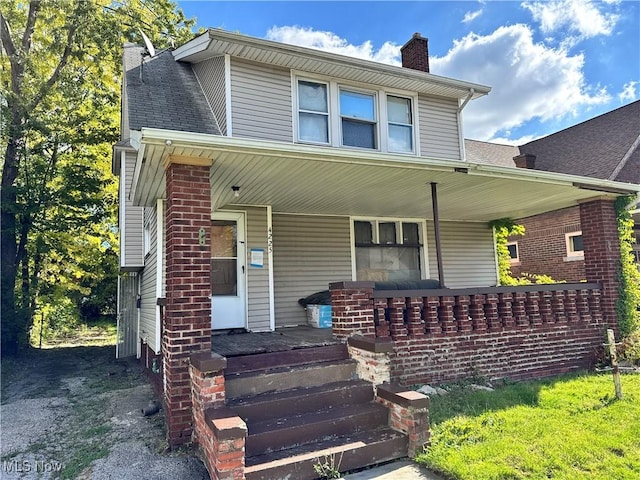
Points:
[[602, 252], [187, 320]]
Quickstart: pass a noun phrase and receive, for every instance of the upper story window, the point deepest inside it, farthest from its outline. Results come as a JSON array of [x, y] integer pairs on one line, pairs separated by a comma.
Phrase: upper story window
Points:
[[358, 119], [345, 116], [313, 112]]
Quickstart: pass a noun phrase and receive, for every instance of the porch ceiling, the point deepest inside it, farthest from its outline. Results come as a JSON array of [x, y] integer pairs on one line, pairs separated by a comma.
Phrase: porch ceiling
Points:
[[326, 181]]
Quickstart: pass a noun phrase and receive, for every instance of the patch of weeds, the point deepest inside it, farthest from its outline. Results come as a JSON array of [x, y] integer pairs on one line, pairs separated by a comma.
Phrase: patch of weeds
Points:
[[96, 431], [81, 458], [328, 468]]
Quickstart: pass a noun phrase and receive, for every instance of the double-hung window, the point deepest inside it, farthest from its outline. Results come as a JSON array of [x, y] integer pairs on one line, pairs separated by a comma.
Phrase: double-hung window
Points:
[[387, 250], [313, 112], [358, 119], [345, 116]]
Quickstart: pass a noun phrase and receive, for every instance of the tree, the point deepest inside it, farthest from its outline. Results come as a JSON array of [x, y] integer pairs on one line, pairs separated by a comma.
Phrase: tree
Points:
[[60, 90]]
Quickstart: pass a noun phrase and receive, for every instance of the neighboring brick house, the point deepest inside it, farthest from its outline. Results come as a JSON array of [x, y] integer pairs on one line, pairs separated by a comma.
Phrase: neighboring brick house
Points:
[[254, 173], [606, 147]]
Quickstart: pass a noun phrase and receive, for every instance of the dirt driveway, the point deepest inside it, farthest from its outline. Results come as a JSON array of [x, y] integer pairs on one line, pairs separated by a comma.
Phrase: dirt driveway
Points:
[[75, 413]]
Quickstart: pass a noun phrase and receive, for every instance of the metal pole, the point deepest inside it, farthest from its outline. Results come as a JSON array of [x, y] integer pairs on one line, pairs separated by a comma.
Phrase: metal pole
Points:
[[436, 231]]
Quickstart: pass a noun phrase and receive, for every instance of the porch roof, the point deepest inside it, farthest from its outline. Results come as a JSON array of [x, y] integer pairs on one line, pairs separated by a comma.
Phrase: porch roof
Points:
[[305, 179]]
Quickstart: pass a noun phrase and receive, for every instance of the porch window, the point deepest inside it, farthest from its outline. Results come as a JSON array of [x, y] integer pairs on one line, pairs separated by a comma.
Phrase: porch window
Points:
[[575, 248], [387, 250]]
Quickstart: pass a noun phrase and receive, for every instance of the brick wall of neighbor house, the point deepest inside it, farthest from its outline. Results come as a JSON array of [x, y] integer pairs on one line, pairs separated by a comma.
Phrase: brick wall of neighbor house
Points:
[[187, 318], [542, 249]]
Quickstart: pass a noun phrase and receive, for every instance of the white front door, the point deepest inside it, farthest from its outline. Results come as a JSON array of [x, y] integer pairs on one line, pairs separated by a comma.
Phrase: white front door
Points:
[[228, 271]]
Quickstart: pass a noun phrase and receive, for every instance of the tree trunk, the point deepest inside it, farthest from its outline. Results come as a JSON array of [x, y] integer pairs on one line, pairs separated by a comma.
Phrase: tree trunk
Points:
[[13, 326]]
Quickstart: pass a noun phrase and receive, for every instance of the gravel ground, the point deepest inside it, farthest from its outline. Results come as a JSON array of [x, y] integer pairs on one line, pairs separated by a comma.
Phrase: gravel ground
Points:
[[75, 413]]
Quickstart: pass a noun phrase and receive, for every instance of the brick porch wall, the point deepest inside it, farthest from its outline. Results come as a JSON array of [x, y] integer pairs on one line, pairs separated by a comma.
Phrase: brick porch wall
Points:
[[187, 319]]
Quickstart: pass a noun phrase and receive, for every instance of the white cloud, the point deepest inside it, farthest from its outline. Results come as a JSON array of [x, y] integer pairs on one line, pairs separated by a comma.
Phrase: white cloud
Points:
[[388, 53], [529, 80], [629, 92], [470, 16], [573, 19]]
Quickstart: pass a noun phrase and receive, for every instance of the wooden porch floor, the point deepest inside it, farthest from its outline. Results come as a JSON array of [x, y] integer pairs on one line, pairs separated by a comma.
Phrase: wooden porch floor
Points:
[[235, 342]]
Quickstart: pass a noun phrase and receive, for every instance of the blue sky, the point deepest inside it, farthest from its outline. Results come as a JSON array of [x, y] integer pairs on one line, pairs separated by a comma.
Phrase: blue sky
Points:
[[551, 64]]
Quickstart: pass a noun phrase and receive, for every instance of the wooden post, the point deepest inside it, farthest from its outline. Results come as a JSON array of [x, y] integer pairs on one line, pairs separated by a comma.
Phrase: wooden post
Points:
[[611, 343]]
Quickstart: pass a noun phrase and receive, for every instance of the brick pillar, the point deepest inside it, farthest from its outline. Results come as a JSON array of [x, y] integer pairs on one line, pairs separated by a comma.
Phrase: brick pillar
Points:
[[602, 253], [352, 309], [187, 320]]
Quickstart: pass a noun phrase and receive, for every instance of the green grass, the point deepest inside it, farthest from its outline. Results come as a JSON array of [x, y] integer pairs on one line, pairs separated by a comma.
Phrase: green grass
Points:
[[565, 428]]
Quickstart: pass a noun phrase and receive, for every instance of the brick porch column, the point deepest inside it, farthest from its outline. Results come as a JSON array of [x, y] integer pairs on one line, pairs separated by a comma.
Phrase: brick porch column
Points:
[[602, 252], [187, 319], [352, 309]]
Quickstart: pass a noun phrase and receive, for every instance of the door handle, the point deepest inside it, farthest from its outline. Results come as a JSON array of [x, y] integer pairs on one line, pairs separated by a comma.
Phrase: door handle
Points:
[[243, 269]]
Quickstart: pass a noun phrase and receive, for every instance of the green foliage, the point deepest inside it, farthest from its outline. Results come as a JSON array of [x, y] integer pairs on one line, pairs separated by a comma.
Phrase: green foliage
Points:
[[568, 427], [628, 304], [629, 348], [505, 228], [328, 468], [60, 78]]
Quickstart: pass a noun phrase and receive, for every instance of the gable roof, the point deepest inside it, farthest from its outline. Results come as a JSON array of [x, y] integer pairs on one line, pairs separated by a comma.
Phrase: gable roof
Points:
[[163, 93], [606, 147]]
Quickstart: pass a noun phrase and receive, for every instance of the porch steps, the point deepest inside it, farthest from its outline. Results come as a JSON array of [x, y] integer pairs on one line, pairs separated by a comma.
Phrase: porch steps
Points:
[[306, 407]]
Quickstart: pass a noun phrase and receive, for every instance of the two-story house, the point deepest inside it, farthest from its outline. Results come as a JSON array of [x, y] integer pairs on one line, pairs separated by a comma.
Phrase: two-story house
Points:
[[254, 173]]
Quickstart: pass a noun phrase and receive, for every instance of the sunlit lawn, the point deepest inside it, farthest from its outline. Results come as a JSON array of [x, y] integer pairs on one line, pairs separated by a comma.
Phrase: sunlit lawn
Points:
[[96, 333], [566, 428]]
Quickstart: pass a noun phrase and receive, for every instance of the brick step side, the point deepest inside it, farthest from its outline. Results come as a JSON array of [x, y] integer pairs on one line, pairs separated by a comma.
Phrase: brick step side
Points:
[[267, 406], [266, 361], [286, 432], [288, 378], [348, 452]]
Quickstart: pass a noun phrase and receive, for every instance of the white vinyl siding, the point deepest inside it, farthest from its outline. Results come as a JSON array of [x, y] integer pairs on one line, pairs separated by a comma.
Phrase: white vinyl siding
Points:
[[211, 75], [261, 101], [467, 254], [148, 281], [309, 252], [131, 221], [257, 278], [438, 119]]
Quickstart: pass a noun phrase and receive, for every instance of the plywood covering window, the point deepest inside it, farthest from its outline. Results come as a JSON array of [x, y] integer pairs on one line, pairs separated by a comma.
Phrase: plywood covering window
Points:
[[387, 250]]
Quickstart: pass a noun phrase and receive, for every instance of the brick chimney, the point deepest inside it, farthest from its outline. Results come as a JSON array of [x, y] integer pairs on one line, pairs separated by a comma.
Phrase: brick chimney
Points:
[[525, 160], [415, 53]]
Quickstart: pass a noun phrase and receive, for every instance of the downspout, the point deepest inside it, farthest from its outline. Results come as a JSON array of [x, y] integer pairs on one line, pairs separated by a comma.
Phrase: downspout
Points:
[[436, 232], [469, 96]]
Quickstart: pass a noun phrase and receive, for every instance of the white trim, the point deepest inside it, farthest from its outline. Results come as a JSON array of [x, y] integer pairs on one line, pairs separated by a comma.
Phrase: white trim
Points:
[[572, 254], [138, 317], [463, 153], [153, 136], [272, 307], [227, 94], [195, 45], [352, 244], [122, 200], [159, 267]]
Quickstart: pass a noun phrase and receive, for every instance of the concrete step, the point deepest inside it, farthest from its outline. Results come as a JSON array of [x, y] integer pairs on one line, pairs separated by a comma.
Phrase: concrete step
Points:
[[288, 377], [286, 432], [347, 453], [267, 406]]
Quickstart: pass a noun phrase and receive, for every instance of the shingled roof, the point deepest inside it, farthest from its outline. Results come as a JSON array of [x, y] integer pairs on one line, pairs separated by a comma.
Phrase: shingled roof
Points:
[[163, 93], [607, 147]]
